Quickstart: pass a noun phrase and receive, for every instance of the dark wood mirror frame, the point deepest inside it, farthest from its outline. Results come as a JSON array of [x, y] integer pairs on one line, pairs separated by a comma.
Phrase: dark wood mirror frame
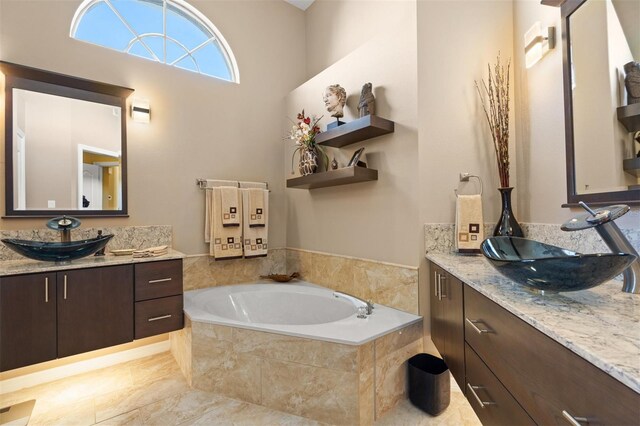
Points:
[[631, 197], [32, 79]]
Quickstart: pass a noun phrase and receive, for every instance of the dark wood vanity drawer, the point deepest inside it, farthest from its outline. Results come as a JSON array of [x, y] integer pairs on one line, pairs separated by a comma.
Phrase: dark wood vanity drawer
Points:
[[158, 279], [482, 387], [546, 378], [158, 316]]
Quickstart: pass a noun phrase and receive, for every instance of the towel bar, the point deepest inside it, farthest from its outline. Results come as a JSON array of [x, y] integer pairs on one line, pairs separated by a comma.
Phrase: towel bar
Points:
[[202, 183], [464, 177]]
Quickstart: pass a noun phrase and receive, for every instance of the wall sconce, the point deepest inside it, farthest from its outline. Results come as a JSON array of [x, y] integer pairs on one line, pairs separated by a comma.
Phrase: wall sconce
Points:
[[536, 44], [140, 111]]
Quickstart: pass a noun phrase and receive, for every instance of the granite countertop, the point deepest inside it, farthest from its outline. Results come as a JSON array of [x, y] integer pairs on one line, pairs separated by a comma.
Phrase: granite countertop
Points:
[[28, 266], [602, 324]]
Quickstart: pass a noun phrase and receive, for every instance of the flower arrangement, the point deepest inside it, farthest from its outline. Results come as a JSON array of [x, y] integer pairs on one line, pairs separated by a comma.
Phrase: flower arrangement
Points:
[[304, 132], [496, 90]]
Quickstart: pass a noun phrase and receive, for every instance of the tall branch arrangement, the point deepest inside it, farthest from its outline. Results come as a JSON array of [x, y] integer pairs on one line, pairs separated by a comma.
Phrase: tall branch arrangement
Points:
[[496, 110]]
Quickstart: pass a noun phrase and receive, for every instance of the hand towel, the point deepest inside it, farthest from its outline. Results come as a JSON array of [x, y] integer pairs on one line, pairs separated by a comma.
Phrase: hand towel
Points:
[[230, 202], [255, 237], [257, 213], [151, 251], [469, 226], [208, 205], [226, 241]]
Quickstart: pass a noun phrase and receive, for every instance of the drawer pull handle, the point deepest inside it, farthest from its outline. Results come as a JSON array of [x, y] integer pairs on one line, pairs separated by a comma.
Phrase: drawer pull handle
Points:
[[46, 289], [476, 328], [475, 395], [162, 280], [436, 279], [443, 295], [575, 421], [65, 287], [161, 317]]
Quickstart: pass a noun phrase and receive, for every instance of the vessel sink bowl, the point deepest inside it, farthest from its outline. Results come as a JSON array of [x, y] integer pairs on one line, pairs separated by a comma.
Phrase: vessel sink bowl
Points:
[[550, 268], [57, 251]]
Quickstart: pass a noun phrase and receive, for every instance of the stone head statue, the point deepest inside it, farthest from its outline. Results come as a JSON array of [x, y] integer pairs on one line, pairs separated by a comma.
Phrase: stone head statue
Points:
[[632, 82], [334, 99]]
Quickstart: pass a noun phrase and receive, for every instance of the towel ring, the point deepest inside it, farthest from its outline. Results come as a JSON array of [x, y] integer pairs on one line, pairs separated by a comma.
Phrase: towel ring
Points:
[[464, 177]]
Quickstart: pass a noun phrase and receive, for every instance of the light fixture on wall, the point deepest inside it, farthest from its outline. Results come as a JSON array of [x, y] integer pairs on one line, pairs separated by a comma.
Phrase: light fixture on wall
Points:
[[538, 44], [140, 111]]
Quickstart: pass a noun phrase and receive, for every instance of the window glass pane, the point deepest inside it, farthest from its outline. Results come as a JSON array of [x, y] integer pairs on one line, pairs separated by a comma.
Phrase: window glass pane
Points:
[[156, 44], [139, 50], [187, 64], [181, 28], [101, 26], [174, 51], [144, 16], [211, 61]]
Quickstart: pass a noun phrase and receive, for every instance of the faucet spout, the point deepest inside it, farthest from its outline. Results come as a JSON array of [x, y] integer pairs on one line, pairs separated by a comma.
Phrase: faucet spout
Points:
[[355, 300]]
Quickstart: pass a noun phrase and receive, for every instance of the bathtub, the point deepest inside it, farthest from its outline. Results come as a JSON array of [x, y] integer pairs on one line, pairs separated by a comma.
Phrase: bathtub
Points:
[[301, 309]]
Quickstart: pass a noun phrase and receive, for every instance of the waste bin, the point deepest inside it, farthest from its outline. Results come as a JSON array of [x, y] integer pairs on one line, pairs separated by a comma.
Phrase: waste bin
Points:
[[429, 383]]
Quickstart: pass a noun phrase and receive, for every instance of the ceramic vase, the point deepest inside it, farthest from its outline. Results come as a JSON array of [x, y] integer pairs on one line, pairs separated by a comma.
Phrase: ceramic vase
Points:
[[308, 161], [507, 224]]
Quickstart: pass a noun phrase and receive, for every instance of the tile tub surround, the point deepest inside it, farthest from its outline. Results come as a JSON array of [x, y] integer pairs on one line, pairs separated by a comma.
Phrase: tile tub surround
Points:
[[384, 283], [329, 382], [202, 271], [439, 237], [138, 237], [602, 324]]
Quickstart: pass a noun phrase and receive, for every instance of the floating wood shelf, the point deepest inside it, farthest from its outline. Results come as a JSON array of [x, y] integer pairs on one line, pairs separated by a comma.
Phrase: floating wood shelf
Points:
[[629, 116], [367, 127], [632, 166], [343, 176]]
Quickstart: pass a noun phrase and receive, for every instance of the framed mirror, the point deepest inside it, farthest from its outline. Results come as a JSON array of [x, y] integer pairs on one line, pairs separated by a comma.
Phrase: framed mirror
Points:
[[65, 145], [599, 38]]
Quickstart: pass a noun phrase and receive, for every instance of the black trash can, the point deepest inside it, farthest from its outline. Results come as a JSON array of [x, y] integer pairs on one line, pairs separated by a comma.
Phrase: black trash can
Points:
[[429, 383]]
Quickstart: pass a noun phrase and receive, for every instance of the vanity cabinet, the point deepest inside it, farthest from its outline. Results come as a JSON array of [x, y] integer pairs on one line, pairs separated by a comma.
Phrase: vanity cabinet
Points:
[[95, 307], [44, 316], [447, 330], [549, 381], [27, 320]]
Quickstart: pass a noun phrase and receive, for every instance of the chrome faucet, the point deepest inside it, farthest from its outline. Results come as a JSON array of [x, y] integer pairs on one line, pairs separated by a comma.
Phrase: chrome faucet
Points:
[[602, 220], [368, 306], [64, 224]]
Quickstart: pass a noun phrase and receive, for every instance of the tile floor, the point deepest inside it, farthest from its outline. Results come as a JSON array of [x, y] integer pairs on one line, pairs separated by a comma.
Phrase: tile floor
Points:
[[152, 391]]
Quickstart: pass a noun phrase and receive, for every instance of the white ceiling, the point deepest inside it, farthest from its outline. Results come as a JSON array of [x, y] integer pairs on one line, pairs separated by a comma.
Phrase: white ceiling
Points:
[[300, 4]]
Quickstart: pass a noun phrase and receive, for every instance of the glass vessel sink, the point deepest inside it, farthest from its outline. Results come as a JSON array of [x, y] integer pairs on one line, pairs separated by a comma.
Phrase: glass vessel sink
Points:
[[550, 268], [57, 251]]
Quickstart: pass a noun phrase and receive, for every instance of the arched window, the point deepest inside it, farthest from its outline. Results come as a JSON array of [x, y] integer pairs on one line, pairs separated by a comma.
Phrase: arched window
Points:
[[168, 31]]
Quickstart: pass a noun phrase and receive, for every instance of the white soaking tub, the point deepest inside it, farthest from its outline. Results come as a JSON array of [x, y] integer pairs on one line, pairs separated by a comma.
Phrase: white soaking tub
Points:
[[301, 309]]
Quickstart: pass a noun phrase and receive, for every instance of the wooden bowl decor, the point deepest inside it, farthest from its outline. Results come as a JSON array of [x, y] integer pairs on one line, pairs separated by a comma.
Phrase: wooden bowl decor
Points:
[[281, 278]]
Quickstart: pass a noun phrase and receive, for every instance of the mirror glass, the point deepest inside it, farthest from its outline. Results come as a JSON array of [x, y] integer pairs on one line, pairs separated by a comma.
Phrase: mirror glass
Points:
[[65, 142], [66, 153], [604, 36]]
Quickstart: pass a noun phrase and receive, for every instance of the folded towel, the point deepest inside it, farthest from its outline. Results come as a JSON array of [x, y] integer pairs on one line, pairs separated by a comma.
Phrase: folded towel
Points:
[[257, 212], [151, 251], [226, 241], [230, 202], [255, 237], [469, 223], [259, 185], [208, 205]]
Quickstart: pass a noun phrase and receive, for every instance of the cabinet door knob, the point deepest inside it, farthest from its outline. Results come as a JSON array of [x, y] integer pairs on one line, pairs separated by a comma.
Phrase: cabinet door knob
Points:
[[473, 323], [574, 421], [475, 395]]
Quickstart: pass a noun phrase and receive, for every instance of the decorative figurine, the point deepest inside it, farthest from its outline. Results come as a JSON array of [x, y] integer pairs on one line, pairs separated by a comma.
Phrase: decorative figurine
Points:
[[334, 164], [367, 104], [334, 99], [632, 82]]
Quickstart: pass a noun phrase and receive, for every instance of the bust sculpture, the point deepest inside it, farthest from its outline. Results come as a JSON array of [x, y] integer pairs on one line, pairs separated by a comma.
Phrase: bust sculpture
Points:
[[632, 82], [367, 104], [334, 99]]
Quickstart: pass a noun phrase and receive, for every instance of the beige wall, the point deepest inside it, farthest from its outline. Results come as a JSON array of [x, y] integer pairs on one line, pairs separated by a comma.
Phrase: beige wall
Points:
[[373, 220], [200, 127]]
